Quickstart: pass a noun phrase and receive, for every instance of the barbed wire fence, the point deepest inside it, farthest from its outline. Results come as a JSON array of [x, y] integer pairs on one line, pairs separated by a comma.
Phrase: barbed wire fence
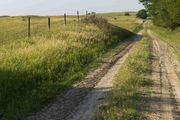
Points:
[[49, 21]]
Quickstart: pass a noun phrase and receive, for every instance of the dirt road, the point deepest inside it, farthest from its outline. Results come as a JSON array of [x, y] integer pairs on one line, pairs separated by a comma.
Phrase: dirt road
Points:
[[82, 100], [164, 101]]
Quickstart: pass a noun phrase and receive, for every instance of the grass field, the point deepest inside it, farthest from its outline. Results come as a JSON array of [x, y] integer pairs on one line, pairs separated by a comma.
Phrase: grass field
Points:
[[33, 70], [123, 102], [119, 19], [171, 37]]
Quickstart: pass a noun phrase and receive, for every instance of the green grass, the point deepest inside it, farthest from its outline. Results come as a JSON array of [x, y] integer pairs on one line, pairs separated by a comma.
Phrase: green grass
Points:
[[127, 22], [123, 102], [171, 37], [33, 70]]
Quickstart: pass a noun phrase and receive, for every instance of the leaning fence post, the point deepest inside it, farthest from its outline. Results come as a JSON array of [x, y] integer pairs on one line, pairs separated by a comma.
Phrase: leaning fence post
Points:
[[49, 23], [29, 25], [78, 15], [65, 22]]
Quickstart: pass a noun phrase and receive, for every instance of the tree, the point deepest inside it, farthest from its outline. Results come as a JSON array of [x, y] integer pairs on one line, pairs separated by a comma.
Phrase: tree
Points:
[[142, 14], [146, 3], [165, 13], [174, 11]]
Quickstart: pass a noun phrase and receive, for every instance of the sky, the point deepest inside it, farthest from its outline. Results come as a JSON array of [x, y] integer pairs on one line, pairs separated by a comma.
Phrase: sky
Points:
[[58, 7]]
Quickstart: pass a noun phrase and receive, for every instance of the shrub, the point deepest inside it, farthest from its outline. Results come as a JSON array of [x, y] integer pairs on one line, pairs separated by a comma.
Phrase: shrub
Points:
[[92, 19], [127, 14], [142, 14]]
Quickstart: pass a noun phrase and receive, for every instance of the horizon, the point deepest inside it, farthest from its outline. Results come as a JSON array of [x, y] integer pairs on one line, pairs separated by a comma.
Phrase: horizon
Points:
[[67, 14], [56, 7]]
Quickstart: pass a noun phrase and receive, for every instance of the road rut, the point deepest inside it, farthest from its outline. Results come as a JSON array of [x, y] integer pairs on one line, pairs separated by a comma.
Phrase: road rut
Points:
[[81, 100], [164, 101]]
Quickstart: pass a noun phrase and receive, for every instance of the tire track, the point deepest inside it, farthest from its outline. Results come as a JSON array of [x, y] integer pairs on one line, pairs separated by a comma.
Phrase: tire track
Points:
[[167, 85], [80, 101]]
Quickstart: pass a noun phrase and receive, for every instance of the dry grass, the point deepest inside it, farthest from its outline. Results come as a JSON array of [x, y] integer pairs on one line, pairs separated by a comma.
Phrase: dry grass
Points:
[[33, 70]]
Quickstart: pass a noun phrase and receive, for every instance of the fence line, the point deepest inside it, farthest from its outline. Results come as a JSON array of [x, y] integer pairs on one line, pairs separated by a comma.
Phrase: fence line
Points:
[[49, 21]]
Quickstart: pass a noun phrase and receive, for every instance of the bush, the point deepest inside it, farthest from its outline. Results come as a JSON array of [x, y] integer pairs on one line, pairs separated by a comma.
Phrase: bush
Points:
[[92, 19], [107, 28], [127, 14], [142, 14], [165, 13]]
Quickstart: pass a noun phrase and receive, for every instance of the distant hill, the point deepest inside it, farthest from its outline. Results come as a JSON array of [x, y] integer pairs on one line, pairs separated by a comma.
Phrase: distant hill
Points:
[[3, 16]]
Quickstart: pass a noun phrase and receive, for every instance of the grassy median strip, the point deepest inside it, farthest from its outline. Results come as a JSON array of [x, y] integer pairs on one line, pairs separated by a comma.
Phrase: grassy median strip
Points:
[[125, 99]]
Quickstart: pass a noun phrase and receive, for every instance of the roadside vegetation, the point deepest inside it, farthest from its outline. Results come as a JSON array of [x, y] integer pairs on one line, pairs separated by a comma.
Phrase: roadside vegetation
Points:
[[165, 23], [123, 102], [165, 13], [33, 70], [171, 37]]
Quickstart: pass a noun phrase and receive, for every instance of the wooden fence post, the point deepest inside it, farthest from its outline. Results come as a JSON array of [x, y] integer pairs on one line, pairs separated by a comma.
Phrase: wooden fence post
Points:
[[29, 26], [78, 15], [49, 23], [86, 14], [65, 22]]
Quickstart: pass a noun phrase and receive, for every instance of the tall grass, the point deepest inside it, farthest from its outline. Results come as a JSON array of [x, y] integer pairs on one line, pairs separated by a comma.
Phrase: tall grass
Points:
[[123, 102], [33, 70]]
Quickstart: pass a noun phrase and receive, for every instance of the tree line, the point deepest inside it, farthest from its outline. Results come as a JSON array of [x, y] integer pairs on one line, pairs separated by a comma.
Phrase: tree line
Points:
[[165, 13]]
